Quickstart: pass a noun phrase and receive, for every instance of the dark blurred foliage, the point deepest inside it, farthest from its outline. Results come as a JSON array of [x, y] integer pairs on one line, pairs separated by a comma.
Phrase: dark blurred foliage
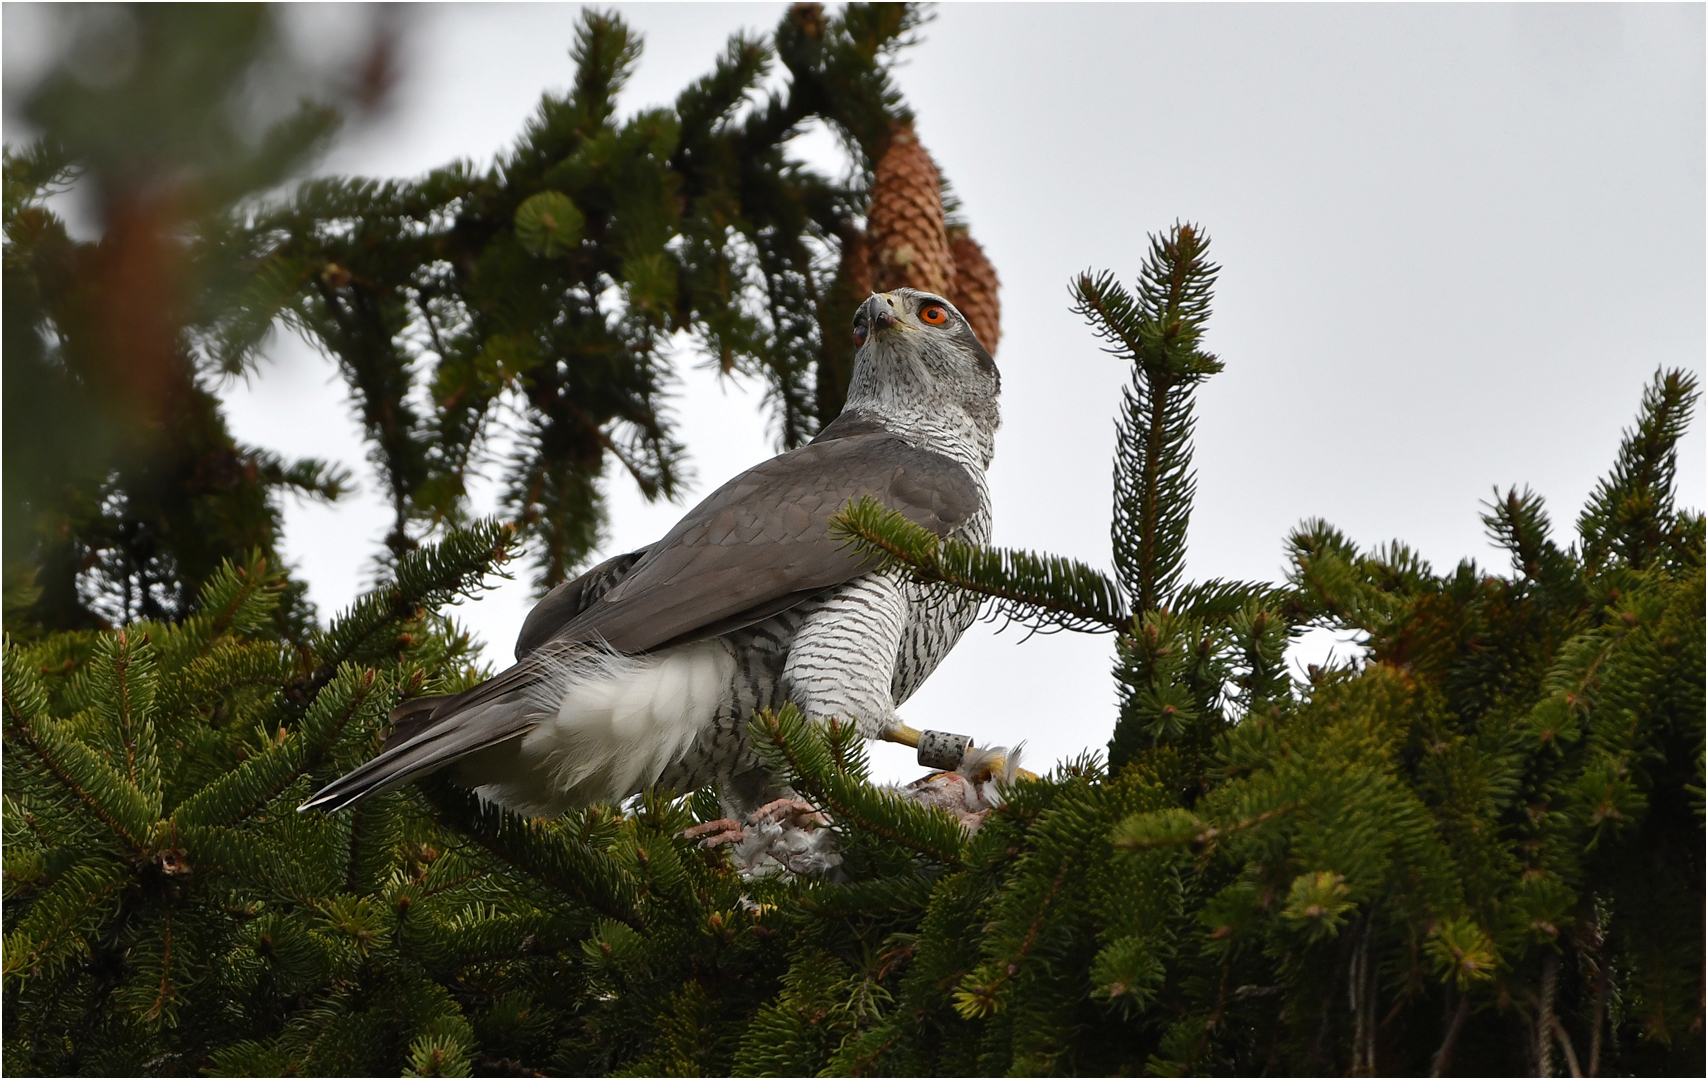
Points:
[[124, 487], [517, 314]]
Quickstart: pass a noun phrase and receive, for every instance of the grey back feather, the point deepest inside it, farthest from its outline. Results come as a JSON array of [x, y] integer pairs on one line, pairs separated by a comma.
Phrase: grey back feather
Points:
[[765, 536], [570, 599]]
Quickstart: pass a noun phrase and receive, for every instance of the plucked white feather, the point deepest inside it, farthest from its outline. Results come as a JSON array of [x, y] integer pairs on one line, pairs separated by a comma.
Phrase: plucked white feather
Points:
[[610, 726]]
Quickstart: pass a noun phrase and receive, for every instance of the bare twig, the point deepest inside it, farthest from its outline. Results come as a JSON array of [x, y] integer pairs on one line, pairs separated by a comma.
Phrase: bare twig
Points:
[[1444, 1055], [1361, 996], [1598, 1015], [1565, 1041], [1545, 1015]]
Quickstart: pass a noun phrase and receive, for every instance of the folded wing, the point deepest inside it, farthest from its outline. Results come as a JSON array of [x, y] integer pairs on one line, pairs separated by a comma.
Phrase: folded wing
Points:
[[757, 546]]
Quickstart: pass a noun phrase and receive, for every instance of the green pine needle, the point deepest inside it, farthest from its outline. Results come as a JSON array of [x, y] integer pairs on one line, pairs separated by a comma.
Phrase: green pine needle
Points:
[[1047, 593]]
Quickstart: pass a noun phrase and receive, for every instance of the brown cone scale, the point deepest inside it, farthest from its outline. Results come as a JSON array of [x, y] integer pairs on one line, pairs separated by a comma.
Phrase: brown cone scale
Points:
[[974, 290], [905, 237]]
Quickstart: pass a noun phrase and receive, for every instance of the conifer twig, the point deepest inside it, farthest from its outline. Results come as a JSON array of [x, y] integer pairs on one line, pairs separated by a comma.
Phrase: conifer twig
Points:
[[1157, 331], [566, 865], [1443, 1056], [972, 999], [1045, 592], [798, 748]]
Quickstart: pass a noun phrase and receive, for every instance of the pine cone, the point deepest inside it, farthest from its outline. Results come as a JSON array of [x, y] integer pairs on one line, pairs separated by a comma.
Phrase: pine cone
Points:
[[974, 290], [904, 230], [809, 19]]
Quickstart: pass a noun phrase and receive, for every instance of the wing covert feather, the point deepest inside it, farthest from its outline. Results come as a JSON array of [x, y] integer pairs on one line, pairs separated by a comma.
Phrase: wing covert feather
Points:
[[755, 547], [764, 538], [570, 599]]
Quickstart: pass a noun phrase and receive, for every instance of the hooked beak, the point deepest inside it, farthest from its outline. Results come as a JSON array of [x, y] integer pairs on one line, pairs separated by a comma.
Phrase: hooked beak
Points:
[[879, 313]]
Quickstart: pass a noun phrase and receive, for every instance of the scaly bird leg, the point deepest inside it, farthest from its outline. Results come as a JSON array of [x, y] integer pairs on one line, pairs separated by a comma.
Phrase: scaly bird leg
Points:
[[903, 734]]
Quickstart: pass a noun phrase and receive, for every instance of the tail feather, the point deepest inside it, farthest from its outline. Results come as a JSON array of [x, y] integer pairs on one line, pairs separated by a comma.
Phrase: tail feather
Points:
[[412, 718], [428, 733], [435, 742], [579, 725]]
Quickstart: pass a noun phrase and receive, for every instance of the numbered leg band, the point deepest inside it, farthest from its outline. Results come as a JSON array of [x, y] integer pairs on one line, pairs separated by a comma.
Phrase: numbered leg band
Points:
[[942, 750]]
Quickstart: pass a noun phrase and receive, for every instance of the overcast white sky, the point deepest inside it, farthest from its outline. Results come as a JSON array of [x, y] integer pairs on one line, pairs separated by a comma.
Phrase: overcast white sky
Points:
[[1456, 241]]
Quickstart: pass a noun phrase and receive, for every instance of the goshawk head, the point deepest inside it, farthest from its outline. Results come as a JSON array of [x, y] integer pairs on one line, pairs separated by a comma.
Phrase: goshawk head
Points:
[[919, 348]]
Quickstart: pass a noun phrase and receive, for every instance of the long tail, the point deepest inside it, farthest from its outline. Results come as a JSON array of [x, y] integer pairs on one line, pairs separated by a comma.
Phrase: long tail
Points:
[[599, 726], [430, 733]]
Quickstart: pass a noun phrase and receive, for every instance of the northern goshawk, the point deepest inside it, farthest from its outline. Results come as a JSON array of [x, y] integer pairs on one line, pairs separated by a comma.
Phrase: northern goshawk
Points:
[[645, 670]]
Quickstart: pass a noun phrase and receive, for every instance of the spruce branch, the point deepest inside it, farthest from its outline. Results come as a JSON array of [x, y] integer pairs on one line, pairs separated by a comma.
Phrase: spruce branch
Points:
[[976, 996], [878, 896], [1045, 592], [541, 850], [1181, 828], [1157, 330], [120, 678], [605, 54], [709, 101], [236, 599], [309, 477], [102, 790], [1217, 599], [425, 579], [63, 918], [801, 750], [1518, 522], [266, 775], [1630, 514], [1332, 578]]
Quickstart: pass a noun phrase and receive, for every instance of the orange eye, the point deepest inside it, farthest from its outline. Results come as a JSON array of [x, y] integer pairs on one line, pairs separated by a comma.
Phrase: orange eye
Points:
[[859, 336], [933, 314]]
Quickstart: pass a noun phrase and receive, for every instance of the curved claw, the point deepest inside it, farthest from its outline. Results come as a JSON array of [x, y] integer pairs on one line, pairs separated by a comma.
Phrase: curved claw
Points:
[[715, 833]]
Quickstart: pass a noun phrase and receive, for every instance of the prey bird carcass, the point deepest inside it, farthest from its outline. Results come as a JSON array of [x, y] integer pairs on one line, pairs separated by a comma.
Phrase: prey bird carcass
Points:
[[645, 670]]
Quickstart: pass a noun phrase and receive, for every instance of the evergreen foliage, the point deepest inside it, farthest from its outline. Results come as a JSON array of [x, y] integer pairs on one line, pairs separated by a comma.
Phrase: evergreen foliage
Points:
[[1482, 843], [1476, 849]]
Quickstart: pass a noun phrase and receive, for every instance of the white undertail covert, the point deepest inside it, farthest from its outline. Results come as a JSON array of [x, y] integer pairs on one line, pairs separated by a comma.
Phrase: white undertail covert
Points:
[[610, 725]]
